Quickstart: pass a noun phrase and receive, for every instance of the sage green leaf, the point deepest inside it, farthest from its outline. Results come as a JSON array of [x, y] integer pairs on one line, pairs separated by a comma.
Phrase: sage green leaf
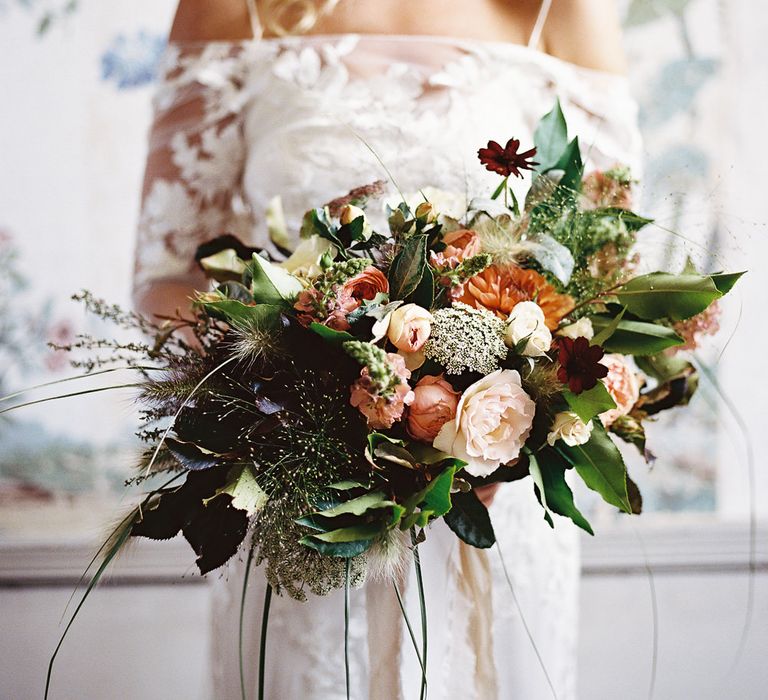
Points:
[[408, 268], [376, 439], [246, 493], [271, 284], [469, 519], [330, 335], [571, 165], [600, 464], [664, 367], [557, 493], [538, 480], [355, 533], [664, 295], [591, 403], [358, 506], [550, 139], [438, 496], [346, 485], [263, 316], [397, 454], [609, 326], [634, 337]]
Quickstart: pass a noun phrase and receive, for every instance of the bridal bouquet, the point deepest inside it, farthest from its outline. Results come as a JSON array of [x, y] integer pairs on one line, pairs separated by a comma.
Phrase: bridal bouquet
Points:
[[327, 404]]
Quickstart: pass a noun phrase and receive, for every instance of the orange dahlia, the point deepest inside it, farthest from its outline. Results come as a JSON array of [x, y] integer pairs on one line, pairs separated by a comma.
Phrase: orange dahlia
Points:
[[499, 288]]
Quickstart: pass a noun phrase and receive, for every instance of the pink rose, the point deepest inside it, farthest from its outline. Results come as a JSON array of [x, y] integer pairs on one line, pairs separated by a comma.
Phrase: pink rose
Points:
[[434, 405], [409, 327], [601, 190], [365, 286], [493, 420], [459, 245], [622, 385], [382, 411]]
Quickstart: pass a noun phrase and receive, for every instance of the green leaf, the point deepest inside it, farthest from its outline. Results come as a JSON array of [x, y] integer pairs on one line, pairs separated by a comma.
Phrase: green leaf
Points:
[[572, 167], [408, 268], [397, 454], [424, 294], [599, 463], [558, 495], [272, 284], [630, 429], [550, 139], [725, 281], [634, 337], [375, 440], [438, 495], [358, 506], [246, 493], [609, 327], [664, 295], [345, 542], [330, 335], [591, 403], [469, 519], [664, 367], [244, 315]]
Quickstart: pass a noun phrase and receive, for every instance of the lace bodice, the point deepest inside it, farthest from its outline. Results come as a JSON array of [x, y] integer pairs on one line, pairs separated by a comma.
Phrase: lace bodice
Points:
[[309, 118]]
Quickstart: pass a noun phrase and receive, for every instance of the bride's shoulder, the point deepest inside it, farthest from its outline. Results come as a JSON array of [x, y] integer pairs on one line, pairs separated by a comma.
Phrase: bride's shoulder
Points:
[[587, 33], [203, 20]]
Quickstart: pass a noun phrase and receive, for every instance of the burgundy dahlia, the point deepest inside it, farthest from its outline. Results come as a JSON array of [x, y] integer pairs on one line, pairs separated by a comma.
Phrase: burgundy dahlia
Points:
[[506, 161], [580, 366]]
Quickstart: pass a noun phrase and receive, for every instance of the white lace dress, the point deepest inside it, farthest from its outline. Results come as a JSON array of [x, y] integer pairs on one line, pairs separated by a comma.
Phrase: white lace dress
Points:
[[239, 123]]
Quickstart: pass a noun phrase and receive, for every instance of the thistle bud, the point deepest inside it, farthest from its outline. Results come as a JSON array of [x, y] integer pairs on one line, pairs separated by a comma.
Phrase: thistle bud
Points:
[[425, 210]]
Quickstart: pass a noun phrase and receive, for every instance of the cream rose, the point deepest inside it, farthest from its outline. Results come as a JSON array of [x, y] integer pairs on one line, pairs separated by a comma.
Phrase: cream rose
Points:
[[492, 423], [434, 404], [409, 327], [527, 321], [622, 385], [305, 260], [569, 428], [349, 213], [581, 329]]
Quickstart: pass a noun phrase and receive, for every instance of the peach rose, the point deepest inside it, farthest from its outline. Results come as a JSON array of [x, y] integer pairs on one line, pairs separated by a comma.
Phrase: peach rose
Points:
[[459, 245], [622, 385], [409, 327], [434, 404], [365, 285], [493, 420], [382, 411]]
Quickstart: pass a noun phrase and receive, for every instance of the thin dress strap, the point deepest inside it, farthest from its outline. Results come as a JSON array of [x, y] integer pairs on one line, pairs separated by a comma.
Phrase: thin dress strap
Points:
[[253, 13], [541, 20]]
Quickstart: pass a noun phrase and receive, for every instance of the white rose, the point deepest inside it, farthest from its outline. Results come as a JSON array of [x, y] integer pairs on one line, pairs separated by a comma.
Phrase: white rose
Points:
[[569, 428], [527, 321], [305, 260], [492, 423], [581, 329]]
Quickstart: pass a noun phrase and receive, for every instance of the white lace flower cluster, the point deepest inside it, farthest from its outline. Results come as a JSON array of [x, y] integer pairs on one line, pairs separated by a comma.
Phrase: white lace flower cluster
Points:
[[464, 338]]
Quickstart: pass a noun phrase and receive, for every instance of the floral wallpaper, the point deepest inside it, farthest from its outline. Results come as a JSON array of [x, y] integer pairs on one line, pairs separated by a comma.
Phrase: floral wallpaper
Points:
[[98, 62]]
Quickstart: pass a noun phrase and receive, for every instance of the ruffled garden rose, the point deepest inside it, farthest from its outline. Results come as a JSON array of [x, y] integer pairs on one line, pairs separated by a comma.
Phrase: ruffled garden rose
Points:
[[434, 405], [459, 245], [382, 411], [622, 385], [569, 428], [527, 321], [365, 286], [493, 421], [409, 327]]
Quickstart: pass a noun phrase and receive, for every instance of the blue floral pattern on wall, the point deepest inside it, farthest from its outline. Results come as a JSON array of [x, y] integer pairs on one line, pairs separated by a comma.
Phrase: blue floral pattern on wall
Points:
[[131, 60]]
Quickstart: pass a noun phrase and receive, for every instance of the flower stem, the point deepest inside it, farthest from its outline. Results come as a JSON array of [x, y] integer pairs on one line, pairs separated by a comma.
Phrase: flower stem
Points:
[[263, 644], [423, 606], [346, 624], [242, 615]]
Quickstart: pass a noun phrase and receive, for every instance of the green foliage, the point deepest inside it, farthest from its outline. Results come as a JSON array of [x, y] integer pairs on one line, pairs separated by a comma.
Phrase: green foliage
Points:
[[600, 464], [633, 337], [408, 267], [244, 489], [469, 519], [550, 139], [330, 335], [677, 297], [271, 284], [591, 403], [554, 492]]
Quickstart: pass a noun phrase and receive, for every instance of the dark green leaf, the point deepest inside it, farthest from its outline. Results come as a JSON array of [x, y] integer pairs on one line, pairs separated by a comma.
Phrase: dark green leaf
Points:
[[572, 167], [469, 519], [634, 337], [344, 550], [215, 533], [600, 464], [408, 268], [424, 294], [330, 335], [550, 139], [663, 295], [635, 497], [245, 315], [591, 403], [725, 281], [190, 456], [557, 493]]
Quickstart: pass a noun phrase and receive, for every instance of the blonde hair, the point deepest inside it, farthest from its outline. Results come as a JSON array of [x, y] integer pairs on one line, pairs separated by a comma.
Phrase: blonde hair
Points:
[[284, 17]]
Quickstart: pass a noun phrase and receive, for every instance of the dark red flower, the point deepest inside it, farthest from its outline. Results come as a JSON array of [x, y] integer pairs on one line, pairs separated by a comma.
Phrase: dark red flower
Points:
[[506, 161], [580, 366]]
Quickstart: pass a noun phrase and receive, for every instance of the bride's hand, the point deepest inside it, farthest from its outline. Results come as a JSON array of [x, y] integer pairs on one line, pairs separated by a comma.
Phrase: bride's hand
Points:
[[486, 494]]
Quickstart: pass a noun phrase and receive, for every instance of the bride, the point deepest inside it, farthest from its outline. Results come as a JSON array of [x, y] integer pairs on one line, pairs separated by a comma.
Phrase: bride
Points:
[[306, 99]]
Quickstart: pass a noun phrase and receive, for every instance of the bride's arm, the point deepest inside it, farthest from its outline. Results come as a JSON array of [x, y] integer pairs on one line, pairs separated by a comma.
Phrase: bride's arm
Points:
[[181, 202], [587, 33]]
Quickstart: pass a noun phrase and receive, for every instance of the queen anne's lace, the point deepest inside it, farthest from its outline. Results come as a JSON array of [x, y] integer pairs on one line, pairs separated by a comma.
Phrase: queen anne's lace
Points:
[[239, 123]]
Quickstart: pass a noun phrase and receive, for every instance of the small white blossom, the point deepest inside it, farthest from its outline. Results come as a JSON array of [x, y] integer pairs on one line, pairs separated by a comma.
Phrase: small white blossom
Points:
[[569, 428], [527, 321], [581, 329]]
